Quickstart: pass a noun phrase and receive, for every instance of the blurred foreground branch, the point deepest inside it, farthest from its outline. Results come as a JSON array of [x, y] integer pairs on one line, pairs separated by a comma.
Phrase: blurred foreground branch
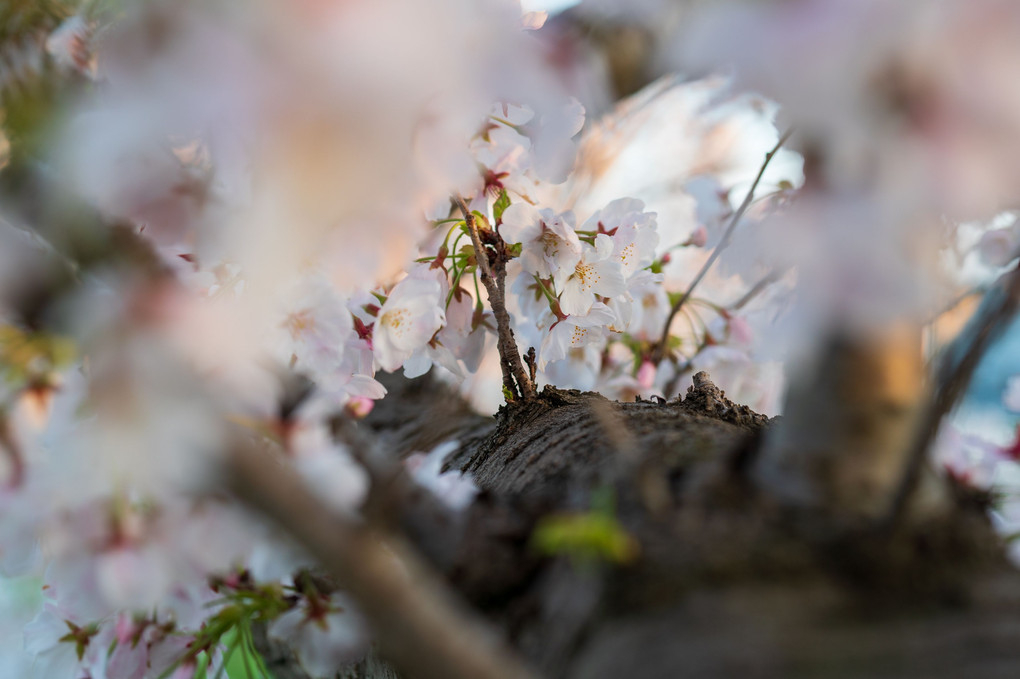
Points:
[[953, 374], [415, 620]]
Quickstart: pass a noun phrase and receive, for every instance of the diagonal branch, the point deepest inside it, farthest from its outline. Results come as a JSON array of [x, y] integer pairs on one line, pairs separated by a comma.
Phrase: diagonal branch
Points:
[[956, 367], [417, 623], [660, 349], [493, 274], [769, 279]]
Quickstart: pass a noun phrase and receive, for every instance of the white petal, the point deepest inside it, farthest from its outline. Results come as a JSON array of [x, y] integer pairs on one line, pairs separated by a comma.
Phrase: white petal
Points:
[[603, 247], [418, 364], [609, 280], [519, 221], [575, 301], [600, 314]]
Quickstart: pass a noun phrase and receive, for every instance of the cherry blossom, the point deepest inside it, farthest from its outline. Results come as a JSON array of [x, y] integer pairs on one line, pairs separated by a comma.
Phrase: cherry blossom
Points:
[[551, 248], [456, 490], [576, 331], [998, 247], [633, 232], [274, 172], [326, 636], [407, 320], [598, 273]]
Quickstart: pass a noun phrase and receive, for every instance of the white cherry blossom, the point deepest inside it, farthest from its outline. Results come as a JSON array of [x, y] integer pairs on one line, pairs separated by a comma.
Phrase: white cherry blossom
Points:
[[576, 331], [650, 305], [551, 248], [597, 273], [632, 229], [407, 320]]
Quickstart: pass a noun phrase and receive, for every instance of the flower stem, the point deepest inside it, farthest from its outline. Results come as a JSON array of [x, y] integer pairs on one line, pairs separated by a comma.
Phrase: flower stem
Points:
[[660, 349], [493, 274]]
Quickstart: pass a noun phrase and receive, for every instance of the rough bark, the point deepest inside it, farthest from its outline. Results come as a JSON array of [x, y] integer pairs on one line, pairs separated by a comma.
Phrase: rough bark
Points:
[[729, 578]]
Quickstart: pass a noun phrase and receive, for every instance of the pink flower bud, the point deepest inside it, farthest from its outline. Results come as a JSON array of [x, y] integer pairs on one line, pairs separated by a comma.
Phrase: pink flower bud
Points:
[[125, 628], [646, 375], [359, 406], [698, 237], [740, 331]]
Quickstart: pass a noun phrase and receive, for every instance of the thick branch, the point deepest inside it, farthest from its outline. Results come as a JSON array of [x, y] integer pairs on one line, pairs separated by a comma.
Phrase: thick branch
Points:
[[494, 279], [660, 349], [850, 415], [417, 623]]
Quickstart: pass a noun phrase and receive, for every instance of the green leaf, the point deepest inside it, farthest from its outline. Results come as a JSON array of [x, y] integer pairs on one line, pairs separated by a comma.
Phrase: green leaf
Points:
[[501, 204], [591, 536]]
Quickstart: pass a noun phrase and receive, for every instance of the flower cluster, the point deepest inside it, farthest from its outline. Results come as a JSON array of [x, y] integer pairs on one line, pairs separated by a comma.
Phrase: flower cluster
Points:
[[270, 224]]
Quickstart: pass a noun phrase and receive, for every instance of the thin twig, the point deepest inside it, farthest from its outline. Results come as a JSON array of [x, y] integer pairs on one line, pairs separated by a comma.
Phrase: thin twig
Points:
[[529, 358], [956, 367], [660, 348], [515, 377], [759, 287], [412, 614]]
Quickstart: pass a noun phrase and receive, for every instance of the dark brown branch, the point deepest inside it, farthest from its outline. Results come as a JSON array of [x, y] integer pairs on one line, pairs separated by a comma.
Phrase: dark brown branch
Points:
[[956, 367], [660, 349], [493, 275]]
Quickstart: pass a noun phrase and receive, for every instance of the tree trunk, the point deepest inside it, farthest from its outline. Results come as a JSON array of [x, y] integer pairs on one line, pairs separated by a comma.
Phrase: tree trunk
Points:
[[728, 579]]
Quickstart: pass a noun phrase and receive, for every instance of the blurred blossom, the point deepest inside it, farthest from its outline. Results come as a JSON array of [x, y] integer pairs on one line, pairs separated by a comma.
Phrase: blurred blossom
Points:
[[284, 172], [324, 641], [455, 489], [998, 247], [1011, 397], [925, 111]]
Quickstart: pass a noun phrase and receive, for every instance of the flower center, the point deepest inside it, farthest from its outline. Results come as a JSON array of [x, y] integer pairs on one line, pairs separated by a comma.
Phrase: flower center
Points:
[[587, 275], [550, 243], [627, 253], [299, 323], [395, 320]]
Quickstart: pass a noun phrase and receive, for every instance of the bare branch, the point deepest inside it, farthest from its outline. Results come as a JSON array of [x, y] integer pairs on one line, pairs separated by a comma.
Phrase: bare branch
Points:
[[956, 367], [415, 620], [493, 275], [660, 349], [770, 278]]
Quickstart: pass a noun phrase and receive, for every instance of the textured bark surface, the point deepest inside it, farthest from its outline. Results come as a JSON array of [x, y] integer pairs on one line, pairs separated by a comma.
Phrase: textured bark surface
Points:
[[728, 579]]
